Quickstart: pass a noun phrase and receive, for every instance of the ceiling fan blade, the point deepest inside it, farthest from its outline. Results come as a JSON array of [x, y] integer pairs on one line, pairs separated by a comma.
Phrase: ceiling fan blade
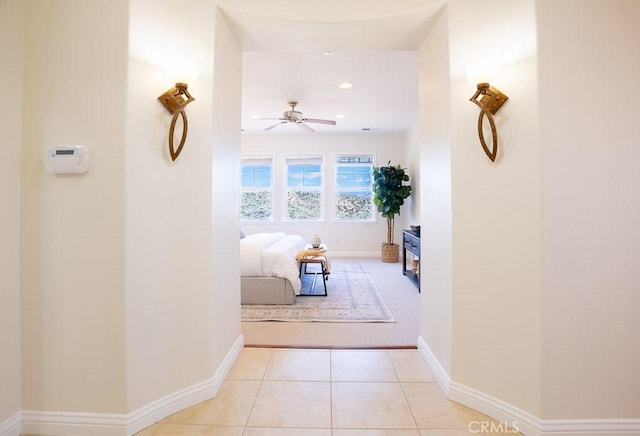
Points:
[[275, 125], [313, 120], [303, 126]]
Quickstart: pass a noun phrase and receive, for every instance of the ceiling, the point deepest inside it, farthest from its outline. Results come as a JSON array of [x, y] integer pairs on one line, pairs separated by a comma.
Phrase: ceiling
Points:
[[284, 60]]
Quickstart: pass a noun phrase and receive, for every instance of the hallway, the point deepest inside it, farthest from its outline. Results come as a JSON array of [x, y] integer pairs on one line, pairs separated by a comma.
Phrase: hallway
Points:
[[328, 393]]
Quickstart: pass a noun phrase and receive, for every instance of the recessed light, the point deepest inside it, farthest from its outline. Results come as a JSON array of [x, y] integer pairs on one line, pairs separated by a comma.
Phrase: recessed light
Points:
[[339, 116], [328, 52], [345, 85], [255, 117]]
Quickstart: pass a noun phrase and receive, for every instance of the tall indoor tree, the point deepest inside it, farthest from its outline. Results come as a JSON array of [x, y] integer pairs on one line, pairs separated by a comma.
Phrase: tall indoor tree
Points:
[[389, 193]]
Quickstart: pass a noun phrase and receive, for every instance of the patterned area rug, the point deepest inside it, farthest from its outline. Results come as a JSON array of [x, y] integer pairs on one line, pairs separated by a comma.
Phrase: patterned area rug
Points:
[[352, 297]]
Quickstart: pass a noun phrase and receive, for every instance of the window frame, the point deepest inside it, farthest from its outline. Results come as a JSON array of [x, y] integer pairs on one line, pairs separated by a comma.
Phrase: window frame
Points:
[[271, 162], [373, 213], [302, 158]]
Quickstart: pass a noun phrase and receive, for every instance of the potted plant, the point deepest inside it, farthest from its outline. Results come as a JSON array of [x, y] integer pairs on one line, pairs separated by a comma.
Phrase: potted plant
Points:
[[389, 192]]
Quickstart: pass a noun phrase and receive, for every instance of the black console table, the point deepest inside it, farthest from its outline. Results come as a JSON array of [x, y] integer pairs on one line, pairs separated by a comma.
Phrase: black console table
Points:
[[411, 243]]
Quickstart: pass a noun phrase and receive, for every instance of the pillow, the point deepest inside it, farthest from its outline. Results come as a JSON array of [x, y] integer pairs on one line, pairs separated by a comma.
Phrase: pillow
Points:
[[242, 235]]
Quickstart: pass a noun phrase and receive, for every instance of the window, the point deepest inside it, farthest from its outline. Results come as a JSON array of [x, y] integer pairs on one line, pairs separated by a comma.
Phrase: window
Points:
[[354, 189], [304, 188], [256, 201]]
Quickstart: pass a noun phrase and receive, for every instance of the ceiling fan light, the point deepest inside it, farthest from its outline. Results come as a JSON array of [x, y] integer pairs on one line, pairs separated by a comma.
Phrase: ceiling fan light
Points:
[[293, 116]]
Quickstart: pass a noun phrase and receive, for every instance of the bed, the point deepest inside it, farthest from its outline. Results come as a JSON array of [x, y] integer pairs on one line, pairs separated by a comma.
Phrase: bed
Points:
[[268, 268]]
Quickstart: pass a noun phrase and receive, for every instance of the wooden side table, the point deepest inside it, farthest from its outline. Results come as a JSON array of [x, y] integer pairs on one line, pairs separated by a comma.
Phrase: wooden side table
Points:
[[320, 260]]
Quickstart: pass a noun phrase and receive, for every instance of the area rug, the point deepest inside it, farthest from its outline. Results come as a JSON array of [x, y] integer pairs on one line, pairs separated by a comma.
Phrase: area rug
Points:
[[352, 297]]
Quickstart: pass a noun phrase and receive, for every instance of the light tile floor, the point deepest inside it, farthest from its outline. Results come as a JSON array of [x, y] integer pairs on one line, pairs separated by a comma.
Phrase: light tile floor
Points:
[[321, 392]]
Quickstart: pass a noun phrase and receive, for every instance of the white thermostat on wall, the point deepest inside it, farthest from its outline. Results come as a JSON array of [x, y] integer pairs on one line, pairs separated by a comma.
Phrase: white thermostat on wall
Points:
[[67, 160]]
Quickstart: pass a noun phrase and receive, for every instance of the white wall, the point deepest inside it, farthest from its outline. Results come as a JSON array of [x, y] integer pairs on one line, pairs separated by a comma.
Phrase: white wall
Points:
[[589, 93], [129, 297], [435, 177], [73, 330], [351, 239], [544, 240], [411, 208], [171, 290], [11, 68], [496, 207], [227, 77]]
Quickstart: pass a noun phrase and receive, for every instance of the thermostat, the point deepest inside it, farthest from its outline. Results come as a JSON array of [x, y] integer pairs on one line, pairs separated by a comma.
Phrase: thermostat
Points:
[[67, 160]]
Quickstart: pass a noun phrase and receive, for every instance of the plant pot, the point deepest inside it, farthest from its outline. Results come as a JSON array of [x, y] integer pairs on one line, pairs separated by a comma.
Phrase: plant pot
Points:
[[390, 253]]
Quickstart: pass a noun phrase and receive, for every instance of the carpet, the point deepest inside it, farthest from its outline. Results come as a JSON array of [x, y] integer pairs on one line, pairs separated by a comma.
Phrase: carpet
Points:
[[352, 297]]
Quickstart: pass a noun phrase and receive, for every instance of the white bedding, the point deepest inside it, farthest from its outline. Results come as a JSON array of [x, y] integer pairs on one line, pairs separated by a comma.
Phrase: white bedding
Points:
[[271, 255]]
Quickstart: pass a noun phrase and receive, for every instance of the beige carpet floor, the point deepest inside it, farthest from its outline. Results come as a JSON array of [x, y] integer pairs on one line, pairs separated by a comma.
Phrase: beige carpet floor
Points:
[[400, 295], [353, 298]]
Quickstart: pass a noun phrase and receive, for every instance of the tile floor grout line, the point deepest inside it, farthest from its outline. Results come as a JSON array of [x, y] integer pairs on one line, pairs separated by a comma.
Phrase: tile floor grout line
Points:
[[331, 389], [255, 399], [404, 394], [413, 413]]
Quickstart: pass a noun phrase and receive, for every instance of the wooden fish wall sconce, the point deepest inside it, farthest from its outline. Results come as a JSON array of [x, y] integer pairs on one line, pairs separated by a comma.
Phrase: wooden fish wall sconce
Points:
[[489, 100], [175, 100]]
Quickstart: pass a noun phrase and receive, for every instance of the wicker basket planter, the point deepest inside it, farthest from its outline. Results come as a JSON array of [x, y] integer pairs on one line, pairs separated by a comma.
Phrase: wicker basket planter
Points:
[[390, 253]]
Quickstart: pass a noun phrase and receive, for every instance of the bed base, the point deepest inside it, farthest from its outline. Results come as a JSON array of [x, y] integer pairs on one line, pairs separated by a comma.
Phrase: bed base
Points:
[[266, 290]]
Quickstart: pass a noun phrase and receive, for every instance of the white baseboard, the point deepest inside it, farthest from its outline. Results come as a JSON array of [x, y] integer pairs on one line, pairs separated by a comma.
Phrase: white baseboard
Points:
[[73, 424], [12, 426], [519, 419], [442, 377], [499, 410], [590, 427], [160, 409], [97, 424]]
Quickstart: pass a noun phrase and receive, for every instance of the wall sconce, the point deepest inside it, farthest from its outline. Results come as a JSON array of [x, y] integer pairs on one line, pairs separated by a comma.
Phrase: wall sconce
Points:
[[175, 100], [489, 100]]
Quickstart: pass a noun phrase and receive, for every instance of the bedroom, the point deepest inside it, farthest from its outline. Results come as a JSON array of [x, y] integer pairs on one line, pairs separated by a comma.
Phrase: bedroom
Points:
[[344, 239], [375, 116]]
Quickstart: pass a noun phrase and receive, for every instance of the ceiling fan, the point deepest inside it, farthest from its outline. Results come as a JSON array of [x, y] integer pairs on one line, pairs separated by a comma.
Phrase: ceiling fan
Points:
[[296, 117]]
